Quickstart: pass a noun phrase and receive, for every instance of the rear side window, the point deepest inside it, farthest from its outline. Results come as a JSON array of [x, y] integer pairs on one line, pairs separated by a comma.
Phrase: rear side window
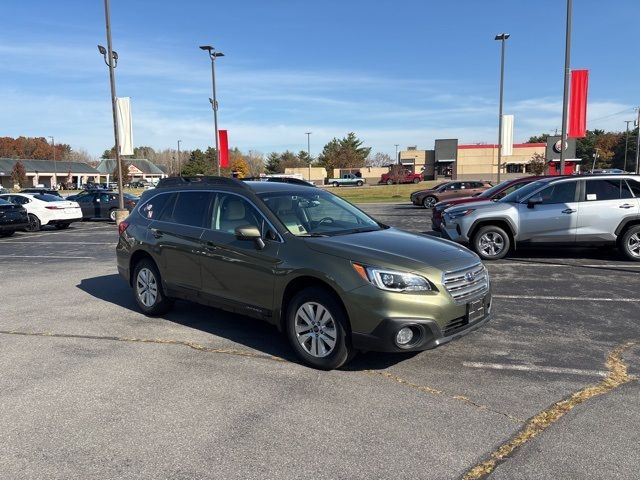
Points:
[[153, 208], [46, 197], [189, 208], [634, 185], [613, 189], [559, 193]]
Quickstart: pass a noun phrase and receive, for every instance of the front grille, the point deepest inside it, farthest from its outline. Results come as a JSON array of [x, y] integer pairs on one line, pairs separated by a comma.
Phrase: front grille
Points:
[[467, 284], [455, 325]]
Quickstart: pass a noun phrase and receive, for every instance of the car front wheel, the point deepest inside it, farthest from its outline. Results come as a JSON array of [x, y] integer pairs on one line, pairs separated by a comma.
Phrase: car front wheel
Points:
[[316, 329], [148, 292], [336, 184], [491, 243], [429, 201], [630, 243]]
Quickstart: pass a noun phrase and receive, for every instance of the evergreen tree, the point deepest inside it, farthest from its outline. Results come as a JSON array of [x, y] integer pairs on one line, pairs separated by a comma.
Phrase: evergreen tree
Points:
[[273, 163]]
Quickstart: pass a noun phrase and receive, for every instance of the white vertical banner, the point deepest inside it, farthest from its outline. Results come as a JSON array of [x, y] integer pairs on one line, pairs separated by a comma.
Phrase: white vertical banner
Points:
[[507, 135], [125, 125]]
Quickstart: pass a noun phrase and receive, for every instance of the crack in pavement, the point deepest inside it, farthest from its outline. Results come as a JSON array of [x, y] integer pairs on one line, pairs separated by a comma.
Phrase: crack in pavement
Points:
[[617, 376], [196, 346], [435, 391]]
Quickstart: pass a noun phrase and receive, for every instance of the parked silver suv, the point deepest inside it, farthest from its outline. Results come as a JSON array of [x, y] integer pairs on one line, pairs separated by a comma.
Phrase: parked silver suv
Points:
[[593, 210]]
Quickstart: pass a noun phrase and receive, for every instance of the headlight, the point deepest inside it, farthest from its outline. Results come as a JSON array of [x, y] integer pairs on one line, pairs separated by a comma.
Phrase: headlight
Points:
[[393, 281], [461, 213]]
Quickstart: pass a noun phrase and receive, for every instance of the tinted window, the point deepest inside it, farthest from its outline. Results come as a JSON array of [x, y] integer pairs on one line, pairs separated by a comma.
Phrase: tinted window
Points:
[[153, 208], [559, 193], [606, 190], [524, 192], [45, 197], [635, 187], [18, 200], [189, 208], [231, 211], [4, 202]]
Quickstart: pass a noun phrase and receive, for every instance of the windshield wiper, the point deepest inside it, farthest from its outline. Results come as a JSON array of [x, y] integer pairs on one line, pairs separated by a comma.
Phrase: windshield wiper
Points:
[[314, 235]]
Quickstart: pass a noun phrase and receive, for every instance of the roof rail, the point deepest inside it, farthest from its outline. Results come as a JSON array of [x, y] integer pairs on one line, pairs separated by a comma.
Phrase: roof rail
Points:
[[199, 180], [292, 180]]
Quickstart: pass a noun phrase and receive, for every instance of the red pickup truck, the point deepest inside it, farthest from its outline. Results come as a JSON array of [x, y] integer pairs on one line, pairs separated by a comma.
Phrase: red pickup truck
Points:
[[405, 176]]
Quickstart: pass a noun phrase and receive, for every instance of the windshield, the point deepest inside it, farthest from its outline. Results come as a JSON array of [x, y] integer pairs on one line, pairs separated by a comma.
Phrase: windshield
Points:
[[518, 195], [317, 213], [492, 191]]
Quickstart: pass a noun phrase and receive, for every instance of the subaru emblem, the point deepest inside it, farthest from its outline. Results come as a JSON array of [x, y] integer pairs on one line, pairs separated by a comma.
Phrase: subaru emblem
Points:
[[469, 276]]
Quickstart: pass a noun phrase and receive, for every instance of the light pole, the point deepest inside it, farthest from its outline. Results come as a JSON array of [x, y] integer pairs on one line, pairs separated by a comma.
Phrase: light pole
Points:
[[111, 59], [54, 183], [214, 102], [595, 157], [626, 145], [308, 134], [637, 169], [502, 38], [567, 74], [179, 160], [397, 159]]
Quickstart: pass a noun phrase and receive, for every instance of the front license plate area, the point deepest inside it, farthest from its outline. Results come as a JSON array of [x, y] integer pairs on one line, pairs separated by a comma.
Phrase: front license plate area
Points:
[[475, 310]]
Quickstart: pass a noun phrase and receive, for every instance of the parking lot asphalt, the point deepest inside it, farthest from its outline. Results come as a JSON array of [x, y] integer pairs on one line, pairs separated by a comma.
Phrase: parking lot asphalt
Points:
[[92, 388]]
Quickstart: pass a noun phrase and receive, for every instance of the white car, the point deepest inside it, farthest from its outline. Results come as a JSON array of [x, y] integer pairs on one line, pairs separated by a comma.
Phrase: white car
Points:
[[45, 209]]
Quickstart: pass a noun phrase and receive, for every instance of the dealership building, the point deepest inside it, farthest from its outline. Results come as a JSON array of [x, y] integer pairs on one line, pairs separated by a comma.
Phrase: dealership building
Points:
[[43, 172]]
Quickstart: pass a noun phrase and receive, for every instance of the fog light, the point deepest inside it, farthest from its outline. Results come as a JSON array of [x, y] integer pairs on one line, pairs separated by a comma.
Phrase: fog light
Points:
[[404, 336]]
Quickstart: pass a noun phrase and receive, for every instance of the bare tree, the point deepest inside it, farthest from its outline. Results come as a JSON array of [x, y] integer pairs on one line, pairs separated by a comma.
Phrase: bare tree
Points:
[[537, 164], [255, 162], [378, 160]]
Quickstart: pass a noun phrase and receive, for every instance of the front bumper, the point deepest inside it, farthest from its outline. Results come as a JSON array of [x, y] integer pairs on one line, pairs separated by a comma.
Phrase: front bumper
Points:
[[432, 336]]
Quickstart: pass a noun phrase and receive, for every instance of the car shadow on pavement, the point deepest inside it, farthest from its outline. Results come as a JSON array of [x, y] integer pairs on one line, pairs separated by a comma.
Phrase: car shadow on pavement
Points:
[[252, 333]]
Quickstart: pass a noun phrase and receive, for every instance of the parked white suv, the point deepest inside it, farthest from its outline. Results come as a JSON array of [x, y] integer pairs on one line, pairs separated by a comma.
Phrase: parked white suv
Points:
[[591, 210]]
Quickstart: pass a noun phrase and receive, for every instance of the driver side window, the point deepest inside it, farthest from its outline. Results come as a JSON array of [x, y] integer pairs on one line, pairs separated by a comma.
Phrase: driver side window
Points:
[[232, 211], [559, 193]]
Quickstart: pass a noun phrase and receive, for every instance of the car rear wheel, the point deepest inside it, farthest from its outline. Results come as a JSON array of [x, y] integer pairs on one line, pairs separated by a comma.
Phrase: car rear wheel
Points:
[[491, 243], [416, 180], [389, 182], [630, 243], [34, 223], [429, 201], [316, 327], [148, 292], [112, 214], [335, 184]]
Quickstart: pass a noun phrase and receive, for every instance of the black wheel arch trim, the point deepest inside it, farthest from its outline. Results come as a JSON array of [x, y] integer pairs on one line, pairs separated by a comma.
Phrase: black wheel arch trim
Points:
[[512, 228], [633, 219]]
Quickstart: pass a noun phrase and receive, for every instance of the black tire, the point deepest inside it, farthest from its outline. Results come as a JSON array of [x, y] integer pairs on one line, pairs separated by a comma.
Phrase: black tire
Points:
[[389, 182], [429, 201], [161, 304], [630, 243], [7, 233], [34, 223], [62, 226], [416, 180], [491, 238], [335, 184], [342, 350], [112, 214], [359, 183]]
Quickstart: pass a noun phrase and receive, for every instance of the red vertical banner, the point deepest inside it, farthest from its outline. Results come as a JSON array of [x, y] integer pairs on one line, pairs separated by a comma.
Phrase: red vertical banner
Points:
[[224, 149], [578, 104]]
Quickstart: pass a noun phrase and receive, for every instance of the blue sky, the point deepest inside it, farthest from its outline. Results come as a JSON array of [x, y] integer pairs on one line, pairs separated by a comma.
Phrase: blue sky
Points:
[[402, 71]]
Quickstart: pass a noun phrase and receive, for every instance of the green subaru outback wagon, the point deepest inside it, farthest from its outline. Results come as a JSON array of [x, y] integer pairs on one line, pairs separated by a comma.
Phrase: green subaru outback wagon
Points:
[[330, 277]]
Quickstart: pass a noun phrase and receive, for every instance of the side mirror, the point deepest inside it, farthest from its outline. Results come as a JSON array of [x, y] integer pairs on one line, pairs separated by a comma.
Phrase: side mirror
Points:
[[535, 200], [250, 232]]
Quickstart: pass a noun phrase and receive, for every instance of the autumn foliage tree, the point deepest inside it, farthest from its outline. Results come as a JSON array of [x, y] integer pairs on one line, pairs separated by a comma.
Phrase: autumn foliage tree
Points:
[[36, 148], [19, 175]]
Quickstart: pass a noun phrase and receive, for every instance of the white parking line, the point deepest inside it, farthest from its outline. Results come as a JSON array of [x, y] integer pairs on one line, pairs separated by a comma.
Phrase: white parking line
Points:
[[69, 257], [589, 265], [535, 369], [59, 242], [571, 299]]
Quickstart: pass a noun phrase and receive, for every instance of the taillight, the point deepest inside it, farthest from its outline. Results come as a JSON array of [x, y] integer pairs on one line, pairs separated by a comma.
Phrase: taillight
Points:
[[131, 203], [53, 207], [122, 226]]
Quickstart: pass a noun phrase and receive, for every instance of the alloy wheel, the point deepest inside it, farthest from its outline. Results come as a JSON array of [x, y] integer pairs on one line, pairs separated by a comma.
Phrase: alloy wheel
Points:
[[633, 245], [491, 244], [147, 287], [316, 330], [429, 202], [112, 215], [34, 224]]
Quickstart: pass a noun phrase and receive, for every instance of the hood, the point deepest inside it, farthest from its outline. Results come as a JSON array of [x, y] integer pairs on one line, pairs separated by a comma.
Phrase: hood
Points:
[[391, 248], [483, 205], [458, 201]]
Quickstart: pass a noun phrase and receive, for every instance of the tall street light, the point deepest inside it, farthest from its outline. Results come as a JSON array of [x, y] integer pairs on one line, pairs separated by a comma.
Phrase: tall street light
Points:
[[397, 159], [111, 59], [214, 102], [55, 167], [502, 38], [567, 74], [308, 134], [626, 145], [179, 160]]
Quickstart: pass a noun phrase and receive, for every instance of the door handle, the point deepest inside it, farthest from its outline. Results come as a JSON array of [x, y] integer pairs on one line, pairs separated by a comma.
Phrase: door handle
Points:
[[156, 233], [210, 247], [626, 205], [569, 210]]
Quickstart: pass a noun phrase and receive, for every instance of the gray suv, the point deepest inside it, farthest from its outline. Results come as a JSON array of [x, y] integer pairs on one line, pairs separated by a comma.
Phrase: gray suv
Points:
[[589, 210]]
